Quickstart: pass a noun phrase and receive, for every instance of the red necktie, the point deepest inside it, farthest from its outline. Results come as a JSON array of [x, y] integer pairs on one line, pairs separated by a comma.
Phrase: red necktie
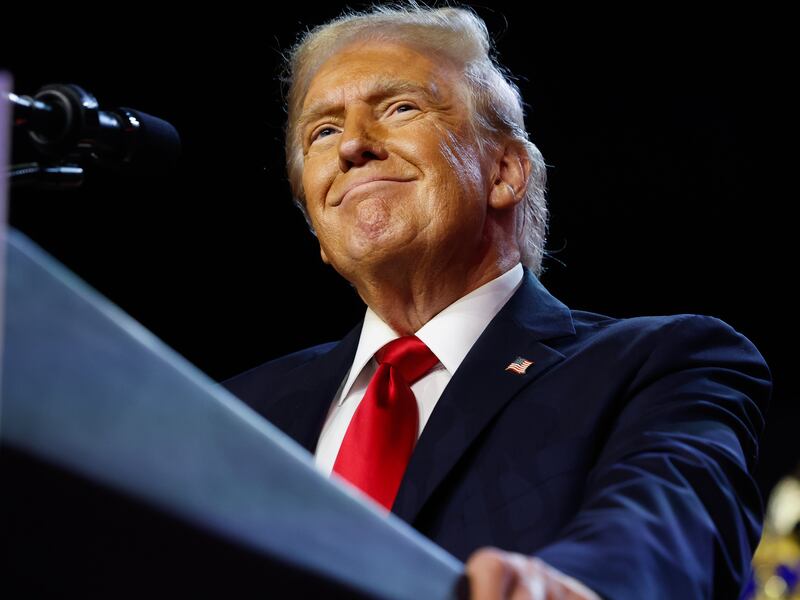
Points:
[[383, 431]]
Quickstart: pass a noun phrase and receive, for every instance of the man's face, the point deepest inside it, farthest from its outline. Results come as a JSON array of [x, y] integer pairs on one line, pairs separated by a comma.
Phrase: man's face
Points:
[[392, 175]]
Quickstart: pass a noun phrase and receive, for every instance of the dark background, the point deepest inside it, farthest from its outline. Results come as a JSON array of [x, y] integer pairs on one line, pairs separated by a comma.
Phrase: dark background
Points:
[[663, 133]]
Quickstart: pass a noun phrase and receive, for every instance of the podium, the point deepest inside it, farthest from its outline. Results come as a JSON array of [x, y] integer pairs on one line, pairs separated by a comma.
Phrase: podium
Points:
[[126, 470]]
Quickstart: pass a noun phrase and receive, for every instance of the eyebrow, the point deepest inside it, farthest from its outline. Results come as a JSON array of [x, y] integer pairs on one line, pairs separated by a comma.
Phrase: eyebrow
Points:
[[378, 90]]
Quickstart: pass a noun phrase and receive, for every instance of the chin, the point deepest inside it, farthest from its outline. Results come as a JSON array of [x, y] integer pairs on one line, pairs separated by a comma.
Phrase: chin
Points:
[[378, 242]]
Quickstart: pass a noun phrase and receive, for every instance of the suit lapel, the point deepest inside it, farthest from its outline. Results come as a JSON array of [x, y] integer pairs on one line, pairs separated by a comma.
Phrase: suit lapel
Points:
[[481, 387], [310, 389]]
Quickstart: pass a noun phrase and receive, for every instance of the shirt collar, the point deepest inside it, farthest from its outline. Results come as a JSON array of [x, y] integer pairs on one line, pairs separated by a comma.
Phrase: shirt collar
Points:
[[450, 334]]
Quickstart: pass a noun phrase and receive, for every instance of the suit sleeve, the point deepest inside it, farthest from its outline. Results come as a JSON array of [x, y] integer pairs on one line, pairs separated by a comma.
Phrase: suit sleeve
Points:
[[671, 509]]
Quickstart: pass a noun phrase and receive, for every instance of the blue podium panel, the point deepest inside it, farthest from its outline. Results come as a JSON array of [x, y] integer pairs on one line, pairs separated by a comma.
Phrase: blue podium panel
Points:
[[89, 390]]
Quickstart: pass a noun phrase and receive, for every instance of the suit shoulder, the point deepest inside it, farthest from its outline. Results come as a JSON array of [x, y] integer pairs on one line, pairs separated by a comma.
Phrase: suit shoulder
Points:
[[273, 370], [590, 325], [651, 334], [668, 342], [651, 324]]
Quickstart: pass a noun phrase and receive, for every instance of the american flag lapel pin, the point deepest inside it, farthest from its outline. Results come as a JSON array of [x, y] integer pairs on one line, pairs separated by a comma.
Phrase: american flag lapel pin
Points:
[[519, 365]]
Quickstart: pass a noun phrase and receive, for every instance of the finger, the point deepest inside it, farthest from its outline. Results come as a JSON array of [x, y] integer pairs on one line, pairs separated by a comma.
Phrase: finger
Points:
[[561, 586], [538, 581], [491, 576], [530, 588], [531, 580]]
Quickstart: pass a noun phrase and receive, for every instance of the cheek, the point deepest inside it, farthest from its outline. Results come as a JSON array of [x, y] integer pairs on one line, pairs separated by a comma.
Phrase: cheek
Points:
[[329, 238], [452, 157], [318, 175], [463, 158]]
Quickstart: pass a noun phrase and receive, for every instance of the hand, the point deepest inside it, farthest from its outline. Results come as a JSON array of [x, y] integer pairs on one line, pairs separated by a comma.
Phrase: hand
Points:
[[498, 575]]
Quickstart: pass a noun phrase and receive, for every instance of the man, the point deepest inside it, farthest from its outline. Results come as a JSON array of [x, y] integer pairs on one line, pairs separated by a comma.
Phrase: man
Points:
[[561, 454]]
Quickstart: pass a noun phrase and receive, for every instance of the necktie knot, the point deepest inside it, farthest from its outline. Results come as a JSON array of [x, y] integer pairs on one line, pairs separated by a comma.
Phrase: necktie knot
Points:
[[409, 355]]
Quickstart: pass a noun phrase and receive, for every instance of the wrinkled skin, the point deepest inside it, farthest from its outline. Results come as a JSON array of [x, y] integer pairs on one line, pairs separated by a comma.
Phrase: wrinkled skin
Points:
[[440, 219]]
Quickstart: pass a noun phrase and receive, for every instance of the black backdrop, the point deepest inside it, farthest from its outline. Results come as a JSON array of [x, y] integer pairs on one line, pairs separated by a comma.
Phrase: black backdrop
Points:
[[659, 130]]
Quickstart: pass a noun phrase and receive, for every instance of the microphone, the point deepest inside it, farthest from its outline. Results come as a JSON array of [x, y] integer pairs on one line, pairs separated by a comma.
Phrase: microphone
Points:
[[65, 122]]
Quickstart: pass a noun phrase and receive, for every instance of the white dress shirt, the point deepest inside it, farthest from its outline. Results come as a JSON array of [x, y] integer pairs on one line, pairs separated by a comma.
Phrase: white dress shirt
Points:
[[449, 335]]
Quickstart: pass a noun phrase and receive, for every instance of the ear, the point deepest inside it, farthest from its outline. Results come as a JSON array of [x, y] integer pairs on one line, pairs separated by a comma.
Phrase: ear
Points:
[[323, 255], [512, 170]]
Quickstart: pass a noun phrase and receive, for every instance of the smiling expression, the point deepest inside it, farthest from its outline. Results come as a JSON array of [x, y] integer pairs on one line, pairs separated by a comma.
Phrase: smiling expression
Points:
[[392, 175]]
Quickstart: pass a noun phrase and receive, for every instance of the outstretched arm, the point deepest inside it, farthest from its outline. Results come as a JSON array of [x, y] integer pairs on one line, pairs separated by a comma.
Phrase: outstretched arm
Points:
[[671, 509]]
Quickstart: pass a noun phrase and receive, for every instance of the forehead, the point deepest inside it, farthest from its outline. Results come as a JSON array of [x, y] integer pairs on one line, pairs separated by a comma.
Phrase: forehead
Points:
[[367, 67]]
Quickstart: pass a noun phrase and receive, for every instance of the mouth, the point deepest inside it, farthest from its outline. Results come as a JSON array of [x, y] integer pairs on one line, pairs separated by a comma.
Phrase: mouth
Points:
[[359, 186]]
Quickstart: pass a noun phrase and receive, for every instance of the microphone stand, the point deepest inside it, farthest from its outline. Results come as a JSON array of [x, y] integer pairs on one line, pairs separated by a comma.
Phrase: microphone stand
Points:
[[46, 176], [53, 175]]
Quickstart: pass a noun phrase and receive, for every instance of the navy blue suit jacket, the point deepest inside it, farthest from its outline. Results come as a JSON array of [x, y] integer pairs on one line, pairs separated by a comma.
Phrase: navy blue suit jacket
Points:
[[622, 457]]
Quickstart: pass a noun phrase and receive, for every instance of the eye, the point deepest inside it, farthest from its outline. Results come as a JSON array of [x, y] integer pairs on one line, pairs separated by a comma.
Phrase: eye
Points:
[[403, 107], [321, 133]]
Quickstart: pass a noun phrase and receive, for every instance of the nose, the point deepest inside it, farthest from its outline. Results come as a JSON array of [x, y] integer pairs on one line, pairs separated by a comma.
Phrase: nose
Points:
[[361, 140]]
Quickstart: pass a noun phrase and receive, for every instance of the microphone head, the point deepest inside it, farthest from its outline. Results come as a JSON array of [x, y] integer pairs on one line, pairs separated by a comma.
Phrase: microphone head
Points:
[[153, 144]]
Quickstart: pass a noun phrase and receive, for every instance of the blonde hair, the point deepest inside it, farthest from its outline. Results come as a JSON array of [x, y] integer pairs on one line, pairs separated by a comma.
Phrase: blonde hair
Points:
[[457, 33]]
